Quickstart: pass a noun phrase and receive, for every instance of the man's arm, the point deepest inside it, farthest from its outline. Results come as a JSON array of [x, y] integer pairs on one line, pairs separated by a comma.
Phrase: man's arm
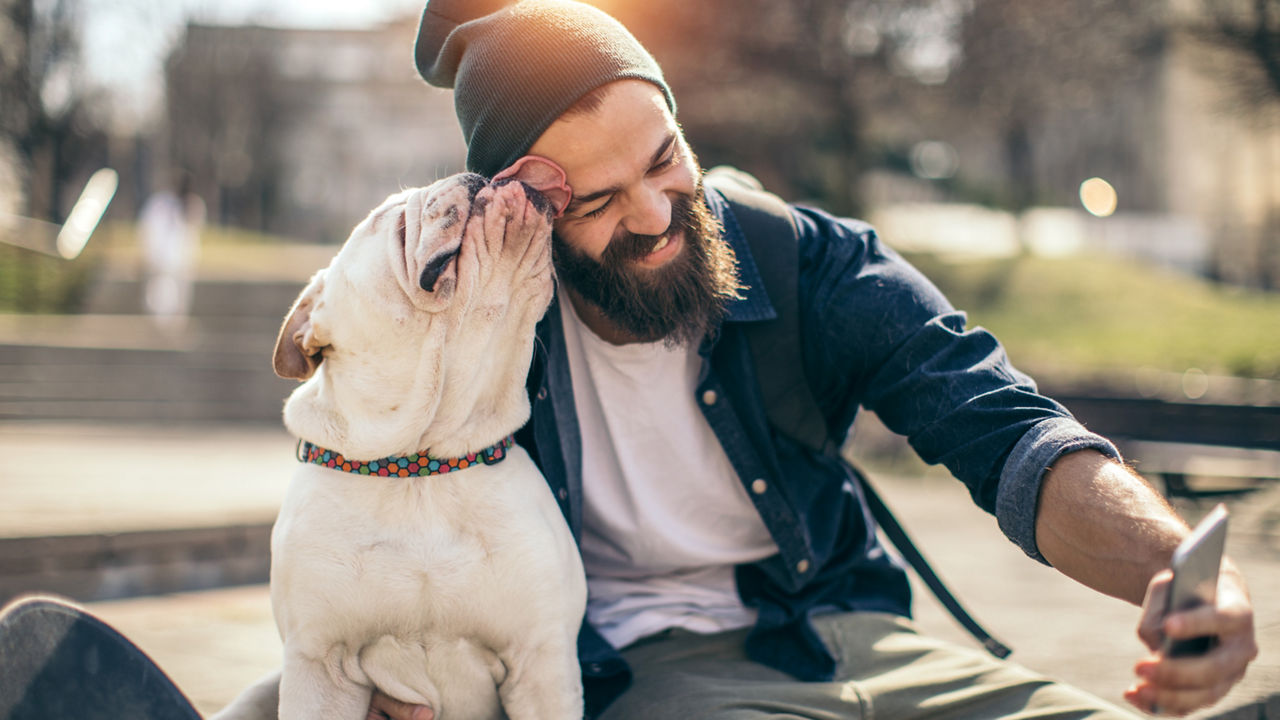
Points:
[[1105, 527]]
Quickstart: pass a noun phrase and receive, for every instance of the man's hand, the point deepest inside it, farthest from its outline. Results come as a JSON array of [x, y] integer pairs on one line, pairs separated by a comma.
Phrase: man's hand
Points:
[[385, 707], [1177, 686]]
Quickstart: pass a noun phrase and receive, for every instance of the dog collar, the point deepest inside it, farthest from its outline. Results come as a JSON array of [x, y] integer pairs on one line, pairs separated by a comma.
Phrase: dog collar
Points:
[[416, 465]]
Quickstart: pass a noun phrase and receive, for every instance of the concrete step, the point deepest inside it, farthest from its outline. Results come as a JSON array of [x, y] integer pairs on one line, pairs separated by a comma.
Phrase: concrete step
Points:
[[211, 298], [175, 394], [149, 385], [123, 367], [110, 566]]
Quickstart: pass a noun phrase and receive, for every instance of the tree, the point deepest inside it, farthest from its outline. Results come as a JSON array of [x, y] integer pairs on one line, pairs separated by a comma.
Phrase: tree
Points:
[[1248, 34], [784, 89], [227, 112], [48, 109], [1024, 60]]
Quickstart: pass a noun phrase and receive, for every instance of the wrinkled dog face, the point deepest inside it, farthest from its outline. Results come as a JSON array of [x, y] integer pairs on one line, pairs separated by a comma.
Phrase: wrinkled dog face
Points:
[[434, 294]]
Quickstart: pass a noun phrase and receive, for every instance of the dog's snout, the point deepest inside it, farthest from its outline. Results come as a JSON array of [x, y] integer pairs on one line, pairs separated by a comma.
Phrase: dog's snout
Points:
[[434, 269]]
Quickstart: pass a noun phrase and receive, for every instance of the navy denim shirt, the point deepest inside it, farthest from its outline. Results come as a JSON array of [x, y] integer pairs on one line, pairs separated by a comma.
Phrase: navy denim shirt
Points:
[[876, 334]]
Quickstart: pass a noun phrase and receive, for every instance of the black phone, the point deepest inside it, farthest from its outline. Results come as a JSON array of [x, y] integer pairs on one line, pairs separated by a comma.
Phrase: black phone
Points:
[[1195, 565]]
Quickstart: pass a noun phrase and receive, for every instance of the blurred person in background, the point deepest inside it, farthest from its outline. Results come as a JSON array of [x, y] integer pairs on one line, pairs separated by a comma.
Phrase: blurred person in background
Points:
[[169, 228]]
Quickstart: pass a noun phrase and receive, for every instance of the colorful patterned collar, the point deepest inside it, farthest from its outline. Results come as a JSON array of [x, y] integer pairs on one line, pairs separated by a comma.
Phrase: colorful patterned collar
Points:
[[416, 465]]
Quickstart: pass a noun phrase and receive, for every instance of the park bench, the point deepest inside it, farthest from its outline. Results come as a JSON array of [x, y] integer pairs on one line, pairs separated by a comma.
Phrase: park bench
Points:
[[1194, 449]]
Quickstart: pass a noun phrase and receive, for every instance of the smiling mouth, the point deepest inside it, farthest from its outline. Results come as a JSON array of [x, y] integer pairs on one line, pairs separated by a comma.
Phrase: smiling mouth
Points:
[[662, 250]]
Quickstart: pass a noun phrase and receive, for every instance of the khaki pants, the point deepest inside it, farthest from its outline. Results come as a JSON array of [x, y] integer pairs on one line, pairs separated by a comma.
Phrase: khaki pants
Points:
[[886, 671]]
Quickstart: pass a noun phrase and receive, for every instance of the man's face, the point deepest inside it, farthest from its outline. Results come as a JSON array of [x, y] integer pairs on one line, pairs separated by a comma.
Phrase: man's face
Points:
[[637, 241]]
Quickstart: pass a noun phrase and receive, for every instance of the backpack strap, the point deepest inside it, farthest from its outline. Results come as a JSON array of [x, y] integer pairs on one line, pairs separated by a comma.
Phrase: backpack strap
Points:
[[764, 218], [771, 233]]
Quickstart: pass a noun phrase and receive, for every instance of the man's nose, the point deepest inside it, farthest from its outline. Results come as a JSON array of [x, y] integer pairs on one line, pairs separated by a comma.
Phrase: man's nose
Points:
[[649, 212]]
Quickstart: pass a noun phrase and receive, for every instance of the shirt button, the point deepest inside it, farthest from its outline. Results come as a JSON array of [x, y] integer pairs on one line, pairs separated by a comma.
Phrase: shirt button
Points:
[[542, 393], [563, 493], [709, 397], [758, 486], [802, 567]]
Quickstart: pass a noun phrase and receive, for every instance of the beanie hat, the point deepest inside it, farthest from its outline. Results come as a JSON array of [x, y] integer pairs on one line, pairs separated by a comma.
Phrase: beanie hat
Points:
[[516, 67]]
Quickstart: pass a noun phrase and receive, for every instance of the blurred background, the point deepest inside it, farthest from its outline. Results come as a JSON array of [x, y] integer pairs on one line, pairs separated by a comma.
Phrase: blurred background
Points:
[[1097, 181]]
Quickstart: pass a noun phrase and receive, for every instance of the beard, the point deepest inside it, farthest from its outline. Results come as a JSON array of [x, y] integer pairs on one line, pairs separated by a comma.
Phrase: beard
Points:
[[678, 302]]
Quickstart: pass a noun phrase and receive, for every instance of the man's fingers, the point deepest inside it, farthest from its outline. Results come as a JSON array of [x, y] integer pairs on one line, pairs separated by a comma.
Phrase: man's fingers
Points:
[[1182, 702], [1150, 627], [1206, 620], [384, 706], [1225, 664], [1180, 685]]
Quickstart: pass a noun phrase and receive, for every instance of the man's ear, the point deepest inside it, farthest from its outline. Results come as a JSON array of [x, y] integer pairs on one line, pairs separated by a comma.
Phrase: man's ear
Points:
[[298, 351]]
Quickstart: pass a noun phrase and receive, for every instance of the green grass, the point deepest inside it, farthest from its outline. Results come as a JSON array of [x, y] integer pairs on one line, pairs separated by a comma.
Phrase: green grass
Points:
[[1094, 314], [31, 282]]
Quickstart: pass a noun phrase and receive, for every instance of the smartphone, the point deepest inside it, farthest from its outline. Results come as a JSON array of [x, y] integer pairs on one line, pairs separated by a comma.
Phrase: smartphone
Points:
[[1195, 578]]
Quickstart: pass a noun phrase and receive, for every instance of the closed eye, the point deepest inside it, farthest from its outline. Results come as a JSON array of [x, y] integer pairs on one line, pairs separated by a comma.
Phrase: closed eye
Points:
[[667, 157], [671, 159], [600, 210]]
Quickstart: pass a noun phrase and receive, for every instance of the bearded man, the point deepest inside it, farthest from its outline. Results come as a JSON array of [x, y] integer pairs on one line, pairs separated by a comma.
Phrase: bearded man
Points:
[[733, 573]]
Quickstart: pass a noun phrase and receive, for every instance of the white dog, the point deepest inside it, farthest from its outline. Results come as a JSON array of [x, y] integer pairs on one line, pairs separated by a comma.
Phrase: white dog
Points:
[[463, 591]]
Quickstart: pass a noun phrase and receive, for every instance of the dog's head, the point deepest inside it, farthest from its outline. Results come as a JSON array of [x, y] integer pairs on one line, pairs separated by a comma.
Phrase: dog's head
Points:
[[418, 335]]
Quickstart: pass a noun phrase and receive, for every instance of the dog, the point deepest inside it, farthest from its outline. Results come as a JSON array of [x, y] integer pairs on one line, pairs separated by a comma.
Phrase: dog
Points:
[[463, 591]]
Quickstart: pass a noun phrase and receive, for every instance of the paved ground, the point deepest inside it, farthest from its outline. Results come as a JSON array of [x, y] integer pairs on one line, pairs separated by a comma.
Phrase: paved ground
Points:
[[60, 478]]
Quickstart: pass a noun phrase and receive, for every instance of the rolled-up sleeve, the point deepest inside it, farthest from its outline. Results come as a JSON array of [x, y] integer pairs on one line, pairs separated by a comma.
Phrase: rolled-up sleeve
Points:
[[1024, 471], [879, 335]]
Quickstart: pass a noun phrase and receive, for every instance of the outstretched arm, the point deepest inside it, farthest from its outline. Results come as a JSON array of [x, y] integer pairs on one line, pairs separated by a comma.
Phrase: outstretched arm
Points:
[[1105, 527]]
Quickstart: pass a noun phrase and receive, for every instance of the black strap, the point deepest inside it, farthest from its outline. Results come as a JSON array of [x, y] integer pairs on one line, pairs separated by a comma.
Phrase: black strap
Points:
[[893, 530], [775, 345], [764, 218]]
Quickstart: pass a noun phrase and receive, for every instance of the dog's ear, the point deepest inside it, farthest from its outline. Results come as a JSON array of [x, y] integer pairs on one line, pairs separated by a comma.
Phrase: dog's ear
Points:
[[297, 352]]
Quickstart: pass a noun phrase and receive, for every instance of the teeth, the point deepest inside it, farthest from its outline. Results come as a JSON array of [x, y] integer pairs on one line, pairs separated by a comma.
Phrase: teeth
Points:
[[662, 242]]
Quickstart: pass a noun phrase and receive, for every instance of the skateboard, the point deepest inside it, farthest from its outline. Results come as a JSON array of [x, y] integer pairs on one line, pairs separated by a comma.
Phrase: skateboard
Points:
[[58, 661]]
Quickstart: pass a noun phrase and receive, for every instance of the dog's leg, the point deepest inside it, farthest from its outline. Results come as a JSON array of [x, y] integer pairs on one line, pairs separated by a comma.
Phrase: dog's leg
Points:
[[261, 701], [399, 669], [547, 686], [311, 689]]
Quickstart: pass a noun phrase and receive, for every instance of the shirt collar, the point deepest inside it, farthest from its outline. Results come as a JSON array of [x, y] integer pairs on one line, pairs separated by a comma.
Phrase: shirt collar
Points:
[[754, 305]]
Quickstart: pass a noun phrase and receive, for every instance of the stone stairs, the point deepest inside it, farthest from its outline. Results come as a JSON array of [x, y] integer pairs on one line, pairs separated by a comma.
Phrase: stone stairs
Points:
[[114, 364]]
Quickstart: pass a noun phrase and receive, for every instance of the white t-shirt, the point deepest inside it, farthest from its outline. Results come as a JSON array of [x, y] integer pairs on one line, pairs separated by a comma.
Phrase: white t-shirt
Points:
[[665, 517]]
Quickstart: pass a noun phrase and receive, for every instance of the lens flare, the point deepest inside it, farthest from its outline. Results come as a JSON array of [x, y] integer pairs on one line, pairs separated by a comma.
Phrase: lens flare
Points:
[[1098, 197]]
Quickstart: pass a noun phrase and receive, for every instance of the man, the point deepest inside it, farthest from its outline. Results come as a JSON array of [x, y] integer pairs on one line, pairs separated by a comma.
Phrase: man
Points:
[[733, 573]]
